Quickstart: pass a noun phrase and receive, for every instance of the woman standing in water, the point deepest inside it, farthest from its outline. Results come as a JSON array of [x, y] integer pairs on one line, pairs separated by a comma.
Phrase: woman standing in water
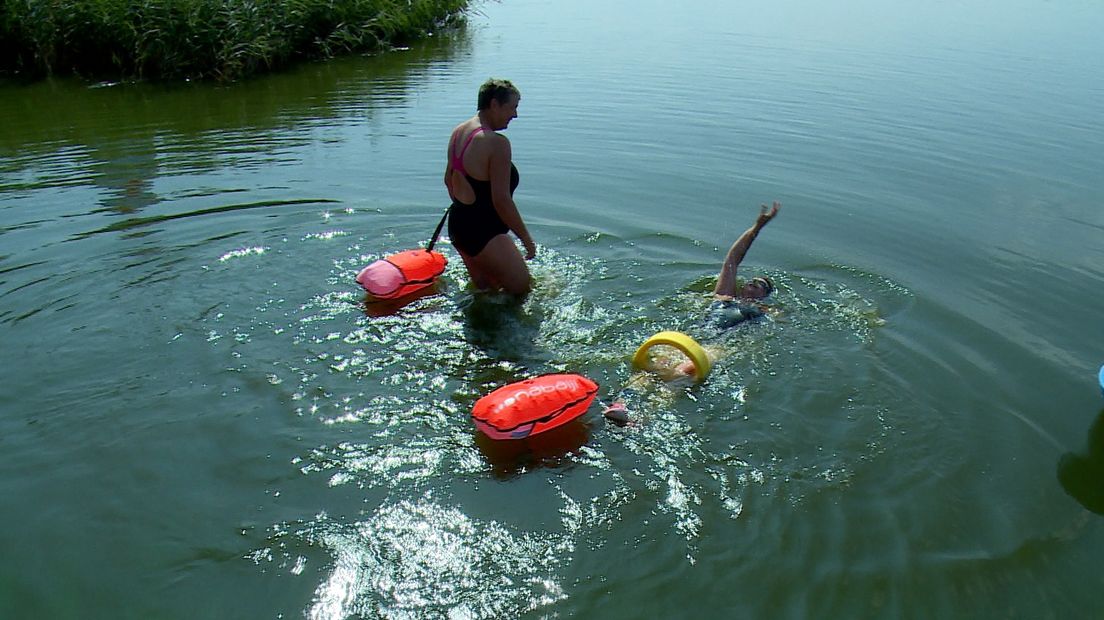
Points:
[[481, 179]]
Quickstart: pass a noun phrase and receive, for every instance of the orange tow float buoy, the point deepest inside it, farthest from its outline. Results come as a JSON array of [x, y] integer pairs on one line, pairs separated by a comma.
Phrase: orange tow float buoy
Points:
[[401, 274], [533, 406]]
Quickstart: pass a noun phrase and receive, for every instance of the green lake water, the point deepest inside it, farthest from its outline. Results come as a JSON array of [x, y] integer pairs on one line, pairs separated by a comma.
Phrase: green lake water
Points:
[[199, 419]]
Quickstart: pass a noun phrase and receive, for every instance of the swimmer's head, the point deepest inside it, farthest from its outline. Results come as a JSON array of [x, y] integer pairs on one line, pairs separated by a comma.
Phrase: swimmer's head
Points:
[[502, 91], [757, 288], [498, 103]]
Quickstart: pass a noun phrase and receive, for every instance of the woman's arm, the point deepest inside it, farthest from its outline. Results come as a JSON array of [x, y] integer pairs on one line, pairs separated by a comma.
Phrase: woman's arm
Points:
[[726, 282], [504, 205], [448, 165]]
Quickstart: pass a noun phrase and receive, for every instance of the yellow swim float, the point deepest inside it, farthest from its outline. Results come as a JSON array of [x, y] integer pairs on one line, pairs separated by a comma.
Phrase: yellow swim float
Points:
[[683, 343]]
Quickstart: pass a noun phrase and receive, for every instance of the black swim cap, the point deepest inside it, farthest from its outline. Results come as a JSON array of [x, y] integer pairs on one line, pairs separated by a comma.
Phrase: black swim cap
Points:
[[764, 282]]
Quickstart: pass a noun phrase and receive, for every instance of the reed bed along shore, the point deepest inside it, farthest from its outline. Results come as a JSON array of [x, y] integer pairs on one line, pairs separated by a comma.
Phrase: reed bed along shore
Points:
[[203, 39]]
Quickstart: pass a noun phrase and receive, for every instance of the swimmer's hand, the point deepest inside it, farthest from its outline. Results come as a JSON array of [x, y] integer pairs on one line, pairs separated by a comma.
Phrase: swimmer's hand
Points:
[[617, 413], [530, 248], [766, 216], [687, 368]]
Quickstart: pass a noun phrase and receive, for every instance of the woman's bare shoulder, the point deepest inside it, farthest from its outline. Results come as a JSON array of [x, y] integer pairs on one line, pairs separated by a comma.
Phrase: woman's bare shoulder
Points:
[[499, 143]]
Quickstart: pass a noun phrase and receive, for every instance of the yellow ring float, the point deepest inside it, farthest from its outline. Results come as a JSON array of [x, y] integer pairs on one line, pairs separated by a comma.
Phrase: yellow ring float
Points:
[[683, 343]]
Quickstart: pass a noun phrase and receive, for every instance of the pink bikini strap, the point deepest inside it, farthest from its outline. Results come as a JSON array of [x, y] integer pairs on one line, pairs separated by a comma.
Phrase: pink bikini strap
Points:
[[458, 160]]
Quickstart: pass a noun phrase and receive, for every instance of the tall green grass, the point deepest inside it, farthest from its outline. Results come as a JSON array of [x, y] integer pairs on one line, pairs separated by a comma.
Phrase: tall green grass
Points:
[[202, 39]]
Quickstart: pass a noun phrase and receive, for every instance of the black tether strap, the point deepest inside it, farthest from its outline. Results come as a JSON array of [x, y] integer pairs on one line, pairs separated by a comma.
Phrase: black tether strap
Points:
[[437, 233]]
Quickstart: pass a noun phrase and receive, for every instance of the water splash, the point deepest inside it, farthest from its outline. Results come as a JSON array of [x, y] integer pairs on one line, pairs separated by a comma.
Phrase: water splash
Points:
[[417, 558]]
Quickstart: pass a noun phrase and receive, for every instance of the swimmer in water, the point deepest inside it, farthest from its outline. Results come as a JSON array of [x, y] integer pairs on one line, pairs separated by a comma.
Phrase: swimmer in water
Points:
[[733, 303]]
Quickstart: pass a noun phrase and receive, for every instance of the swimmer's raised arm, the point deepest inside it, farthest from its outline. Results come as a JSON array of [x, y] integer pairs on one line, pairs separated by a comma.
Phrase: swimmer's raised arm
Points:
[[726, 282]]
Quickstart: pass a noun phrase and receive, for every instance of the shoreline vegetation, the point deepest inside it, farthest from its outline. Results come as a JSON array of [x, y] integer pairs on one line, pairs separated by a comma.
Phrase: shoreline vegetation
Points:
[[220, 40]]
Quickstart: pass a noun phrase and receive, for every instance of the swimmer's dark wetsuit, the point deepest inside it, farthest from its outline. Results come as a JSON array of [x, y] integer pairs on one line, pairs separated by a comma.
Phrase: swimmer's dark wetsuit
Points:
[[471, 226], [725, 313]]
